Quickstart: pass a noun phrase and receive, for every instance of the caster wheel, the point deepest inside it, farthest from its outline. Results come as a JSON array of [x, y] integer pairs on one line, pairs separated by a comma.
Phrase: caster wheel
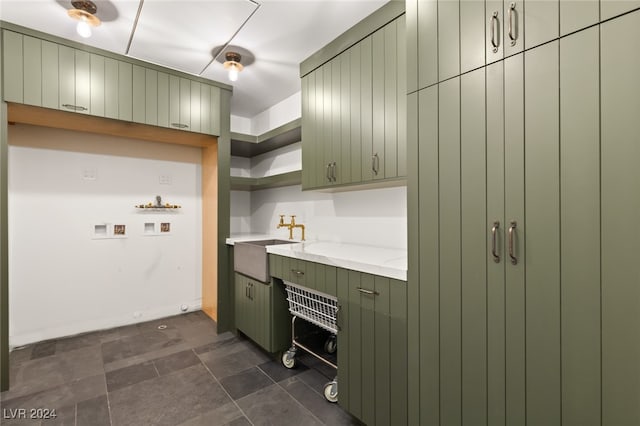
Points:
[[289, 359], [331, 345], [331, 391]]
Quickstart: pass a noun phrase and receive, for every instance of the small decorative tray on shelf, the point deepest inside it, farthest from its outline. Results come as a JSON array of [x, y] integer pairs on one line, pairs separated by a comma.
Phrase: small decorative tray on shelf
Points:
[[158, 205]]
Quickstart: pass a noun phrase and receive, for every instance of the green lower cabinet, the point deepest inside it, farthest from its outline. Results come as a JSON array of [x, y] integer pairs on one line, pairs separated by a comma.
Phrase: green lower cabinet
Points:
[[261, 312], [372, 339]]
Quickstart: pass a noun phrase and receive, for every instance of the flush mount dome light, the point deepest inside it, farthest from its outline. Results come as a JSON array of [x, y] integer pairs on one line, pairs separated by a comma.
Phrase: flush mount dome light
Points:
[[232, 63], [84, 11]]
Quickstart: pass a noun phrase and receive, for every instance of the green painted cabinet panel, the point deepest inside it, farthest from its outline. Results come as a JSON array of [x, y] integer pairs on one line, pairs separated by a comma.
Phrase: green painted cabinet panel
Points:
[[411, 50], [336, 119], [620, 109], [32, 71], [472, 42], [125, 91], [174, 102], [373, 325], [308, 135], [50, 87], [97, 85], [401, 99], [514, 187], [427, 43], [83, 81], [377, 149], [388, 167], [205, 109], [580, 221], [327, 118], [185, 104], [139, 86], [111, 88], [448, 13], [611, 8], [163, 100], [262, 313], [450, 267], [151, 97], [494, 40], [366, 106], [196, 99], [495, 269], [344, 150], [215, 111], [576, 15], [425, 317], [67, 78], [13, 71], [473, 247], [541, 22], [542, 235]]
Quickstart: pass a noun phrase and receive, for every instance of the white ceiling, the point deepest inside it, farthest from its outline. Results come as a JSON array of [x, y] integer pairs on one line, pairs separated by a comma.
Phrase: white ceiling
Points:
[[182, 34]]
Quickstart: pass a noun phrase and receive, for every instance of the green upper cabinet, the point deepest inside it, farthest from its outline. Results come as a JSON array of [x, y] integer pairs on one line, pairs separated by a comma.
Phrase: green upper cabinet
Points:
[[354, 112], [47, 74]]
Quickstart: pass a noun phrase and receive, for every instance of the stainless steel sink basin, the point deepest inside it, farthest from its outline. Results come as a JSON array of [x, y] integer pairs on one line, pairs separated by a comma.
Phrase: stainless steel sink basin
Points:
[[250, 258]]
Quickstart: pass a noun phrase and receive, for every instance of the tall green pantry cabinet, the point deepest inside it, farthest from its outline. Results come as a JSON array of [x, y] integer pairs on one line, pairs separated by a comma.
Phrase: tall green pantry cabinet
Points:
[[523, 195]]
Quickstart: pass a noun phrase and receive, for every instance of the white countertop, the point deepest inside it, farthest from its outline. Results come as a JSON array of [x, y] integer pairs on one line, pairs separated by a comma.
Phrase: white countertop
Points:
[[386, 262]]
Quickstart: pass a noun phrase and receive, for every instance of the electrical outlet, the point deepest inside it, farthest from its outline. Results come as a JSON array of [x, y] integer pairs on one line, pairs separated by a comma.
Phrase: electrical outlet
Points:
[[89, 174], [165, 179]]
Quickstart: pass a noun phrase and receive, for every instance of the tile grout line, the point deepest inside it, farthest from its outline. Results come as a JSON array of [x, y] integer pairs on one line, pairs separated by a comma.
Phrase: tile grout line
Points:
[[224, 390], [108, 403]]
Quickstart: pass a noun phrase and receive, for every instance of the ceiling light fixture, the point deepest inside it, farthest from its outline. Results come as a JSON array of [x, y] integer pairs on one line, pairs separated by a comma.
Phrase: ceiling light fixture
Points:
[[84, 11], [232, 63]]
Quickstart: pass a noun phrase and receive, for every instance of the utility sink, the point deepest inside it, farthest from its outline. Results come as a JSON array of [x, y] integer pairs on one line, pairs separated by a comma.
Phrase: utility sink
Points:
[[250, 258]]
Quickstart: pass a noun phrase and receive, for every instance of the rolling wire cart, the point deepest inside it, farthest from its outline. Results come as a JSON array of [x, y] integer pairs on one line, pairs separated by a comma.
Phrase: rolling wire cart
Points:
[[321, 310]]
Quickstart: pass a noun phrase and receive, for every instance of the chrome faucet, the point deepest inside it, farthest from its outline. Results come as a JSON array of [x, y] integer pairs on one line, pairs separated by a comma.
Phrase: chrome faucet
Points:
[[290, 226]]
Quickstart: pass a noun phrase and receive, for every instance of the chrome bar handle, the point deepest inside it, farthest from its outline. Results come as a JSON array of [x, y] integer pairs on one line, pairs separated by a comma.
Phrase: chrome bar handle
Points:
[[494, 231], [375, 163], [339, 318], [180, 125], [74, 107], [246, 290], [495, 42], [370, 292], [333, 171], [329, 172], [512, 8], [297, 272], [512, 228]]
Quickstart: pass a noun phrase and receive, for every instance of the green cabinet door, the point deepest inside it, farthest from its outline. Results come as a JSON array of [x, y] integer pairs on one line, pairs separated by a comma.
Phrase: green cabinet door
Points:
[[111, 88], [541, 22], [401, 99], [366, 107], [514, 215], [335, 151], [388, 167], [125, 91], [97, 85], [472, 33], [376, 153], [83, 81], [495, 230], [611, 8], [164, 109], [139, 87], [474, 232], [32, 62], [50, 86], [215, 111], [185, 104], [308, 139], [580, 222], [542, 236], [427, 42], [355, 104], [195, 117], [151, 97], [205, 109], [327, 119], [448, 13], [13, 71], [67, 78], [450, 266], [620, 109], [576, 15], [174, 102], [344, 148]]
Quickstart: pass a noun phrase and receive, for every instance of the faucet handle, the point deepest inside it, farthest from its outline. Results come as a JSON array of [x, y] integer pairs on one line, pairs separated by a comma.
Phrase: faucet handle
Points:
[[293, 219]]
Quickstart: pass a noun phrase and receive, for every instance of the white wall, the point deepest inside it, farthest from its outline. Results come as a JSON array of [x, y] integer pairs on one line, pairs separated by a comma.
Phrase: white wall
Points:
[[240, 212], [62, 280], [375, 217]]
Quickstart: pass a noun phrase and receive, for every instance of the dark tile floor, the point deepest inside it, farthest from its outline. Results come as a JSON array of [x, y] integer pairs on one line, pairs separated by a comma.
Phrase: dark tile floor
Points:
[[181, 374]]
